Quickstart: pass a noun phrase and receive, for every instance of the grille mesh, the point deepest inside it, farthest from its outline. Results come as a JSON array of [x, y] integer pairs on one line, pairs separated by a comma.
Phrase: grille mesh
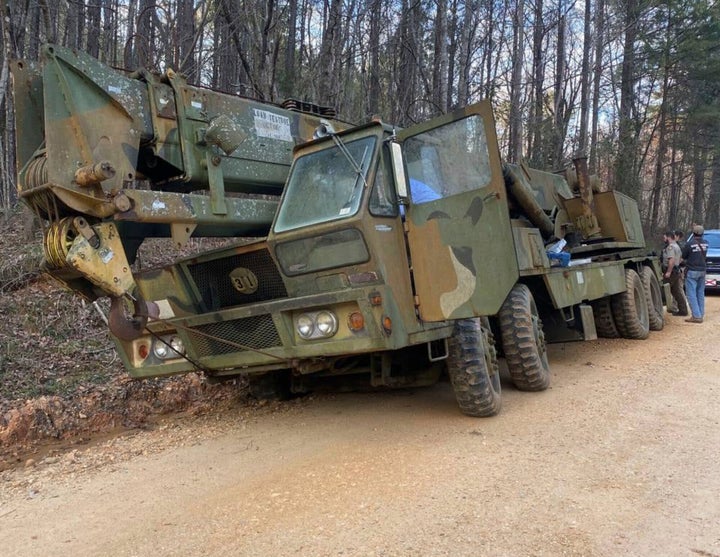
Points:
[[213, 280], [254, 332]]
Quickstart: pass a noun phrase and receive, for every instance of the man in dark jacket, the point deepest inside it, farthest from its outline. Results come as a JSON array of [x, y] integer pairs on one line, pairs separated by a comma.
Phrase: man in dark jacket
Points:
[[693, 253]]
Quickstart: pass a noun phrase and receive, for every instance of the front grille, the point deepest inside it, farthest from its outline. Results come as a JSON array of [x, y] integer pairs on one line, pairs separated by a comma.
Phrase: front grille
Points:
[[256, 332], [216, 288], [713, 265]]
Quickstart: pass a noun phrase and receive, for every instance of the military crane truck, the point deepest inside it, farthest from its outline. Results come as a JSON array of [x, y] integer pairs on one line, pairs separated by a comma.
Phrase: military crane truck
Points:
[[392, 257]]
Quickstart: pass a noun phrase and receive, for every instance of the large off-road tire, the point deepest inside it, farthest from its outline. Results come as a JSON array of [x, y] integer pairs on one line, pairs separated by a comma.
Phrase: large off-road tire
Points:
[[523, 340], [473, 368], [653, 296], [630, 308], [604, 320]]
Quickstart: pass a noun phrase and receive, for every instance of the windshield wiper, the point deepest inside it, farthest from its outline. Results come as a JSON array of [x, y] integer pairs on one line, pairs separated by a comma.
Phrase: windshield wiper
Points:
[[348, 205], [326, 129], [348, 154]]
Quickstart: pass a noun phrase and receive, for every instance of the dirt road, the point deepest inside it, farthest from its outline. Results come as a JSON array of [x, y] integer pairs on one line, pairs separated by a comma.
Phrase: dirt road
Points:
[[619, 457]]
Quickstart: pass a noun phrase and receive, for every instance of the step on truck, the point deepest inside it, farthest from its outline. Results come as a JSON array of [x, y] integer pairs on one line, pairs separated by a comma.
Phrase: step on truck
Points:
[[392, 257]]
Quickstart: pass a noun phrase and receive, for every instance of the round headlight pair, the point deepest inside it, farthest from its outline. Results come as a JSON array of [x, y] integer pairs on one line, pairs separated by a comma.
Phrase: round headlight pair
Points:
[[168, 347], [317, 324]]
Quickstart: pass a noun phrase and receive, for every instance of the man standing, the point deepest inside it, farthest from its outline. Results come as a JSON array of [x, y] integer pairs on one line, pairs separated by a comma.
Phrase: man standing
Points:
[[694, 254], [680, 240], [671, 274]]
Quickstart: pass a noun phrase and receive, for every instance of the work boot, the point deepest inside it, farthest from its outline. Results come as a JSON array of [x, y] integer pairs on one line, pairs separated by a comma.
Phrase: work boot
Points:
[[694, 320], [679, 314]]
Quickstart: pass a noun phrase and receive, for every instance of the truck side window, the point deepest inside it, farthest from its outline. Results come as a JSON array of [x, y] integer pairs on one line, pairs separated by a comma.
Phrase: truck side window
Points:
[[382, 197], [448, 160]]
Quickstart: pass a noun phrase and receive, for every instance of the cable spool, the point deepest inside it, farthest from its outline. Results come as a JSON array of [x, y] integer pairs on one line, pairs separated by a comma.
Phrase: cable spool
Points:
[[36, 173], [57, 241]]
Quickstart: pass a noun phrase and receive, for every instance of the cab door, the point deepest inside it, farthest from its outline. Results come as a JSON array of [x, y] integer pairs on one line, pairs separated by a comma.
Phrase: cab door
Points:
[[459, 232]]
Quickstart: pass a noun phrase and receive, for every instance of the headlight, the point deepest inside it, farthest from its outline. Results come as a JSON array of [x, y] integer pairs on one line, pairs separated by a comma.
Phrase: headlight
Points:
[[177, 345], [316, 324], [326, 323], [168, 347], [305, 326], [161, 350]]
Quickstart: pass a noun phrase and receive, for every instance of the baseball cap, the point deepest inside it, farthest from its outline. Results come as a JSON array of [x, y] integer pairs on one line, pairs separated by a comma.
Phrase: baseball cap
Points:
[[698, 230]]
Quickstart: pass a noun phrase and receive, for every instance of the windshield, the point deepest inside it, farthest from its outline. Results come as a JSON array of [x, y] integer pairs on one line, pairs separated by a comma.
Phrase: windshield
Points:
[[326, 185]]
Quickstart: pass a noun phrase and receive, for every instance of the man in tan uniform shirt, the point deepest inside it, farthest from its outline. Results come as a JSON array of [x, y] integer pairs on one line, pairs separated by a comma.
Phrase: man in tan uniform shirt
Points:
[[671, 256]]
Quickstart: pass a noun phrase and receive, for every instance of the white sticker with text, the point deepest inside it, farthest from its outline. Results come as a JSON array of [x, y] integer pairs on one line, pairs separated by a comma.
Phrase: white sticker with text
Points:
[[273, 126]]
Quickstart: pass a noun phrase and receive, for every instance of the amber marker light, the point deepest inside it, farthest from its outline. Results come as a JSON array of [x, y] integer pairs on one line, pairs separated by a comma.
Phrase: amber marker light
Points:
[[356, 322], [143, 351], [387, 324]]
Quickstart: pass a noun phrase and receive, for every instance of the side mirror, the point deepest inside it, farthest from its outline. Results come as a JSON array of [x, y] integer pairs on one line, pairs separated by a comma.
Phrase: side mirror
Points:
[[399, 171]]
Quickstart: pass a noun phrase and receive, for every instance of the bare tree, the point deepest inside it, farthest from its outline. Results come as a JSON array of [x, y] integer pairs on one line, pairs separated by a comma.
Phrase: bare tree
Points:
[[440, 65], [516, 124], [626, 172], [329, 54], [535, 127], [585, 79], [597, 77]]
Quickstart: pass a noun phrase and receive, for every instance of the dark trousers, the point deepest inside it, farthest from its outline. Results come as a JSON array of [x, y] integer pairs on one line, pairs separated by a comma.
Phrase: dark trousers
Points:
[[676, 289]]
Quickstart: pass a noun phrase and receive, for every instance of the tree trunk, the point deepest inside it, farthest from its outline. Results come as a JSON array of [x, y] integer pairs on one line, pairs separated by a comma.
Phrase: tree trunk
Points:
[[130, 61], [661, 153], [291, 46], [659, 165], [50, 18], [467, 33], [515, 135], [559, 124], [71, 38], [699, 168], [185, 59], [374, 68], [110, 32], [597, 77], [93, 28], [535, 150], [7, 195], [239, 48], [626, 172], [145, 40], [406, 66], [452, 51], [329, 53], [585, 81], [33, 49], [489, 49], [675, 188]]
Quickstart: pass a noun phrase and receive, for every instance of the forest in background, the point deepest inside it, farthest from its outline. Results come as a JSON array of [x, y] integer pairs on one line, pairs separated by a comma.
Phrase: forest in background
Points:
[[633, 84]]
